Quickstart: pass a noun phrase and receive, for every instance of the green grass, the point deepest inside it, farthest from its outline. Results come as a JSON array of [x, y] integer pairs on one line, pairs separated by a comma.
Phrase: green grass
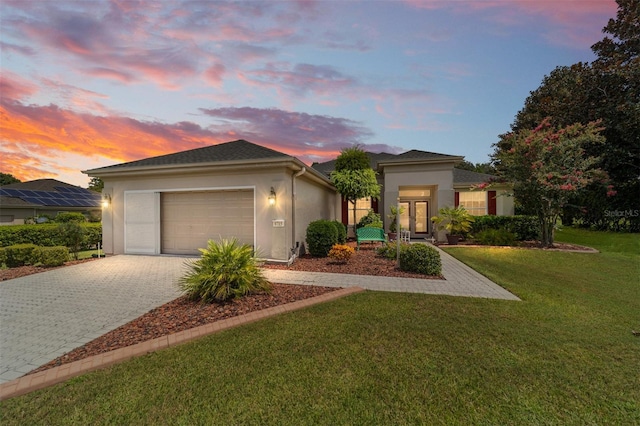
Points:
[[564, 355], [87, 254]]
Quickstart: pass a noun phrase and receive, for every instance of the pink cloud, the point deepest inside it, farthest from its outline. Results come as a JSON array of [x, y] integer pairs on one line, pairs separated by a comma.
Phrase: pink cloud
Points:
[[14, 87]]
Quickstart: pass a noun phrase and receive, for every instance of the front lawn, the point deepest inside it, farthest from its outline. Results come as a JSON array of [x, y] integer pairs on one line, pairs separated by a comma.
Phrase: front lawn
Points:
[[564, 355]]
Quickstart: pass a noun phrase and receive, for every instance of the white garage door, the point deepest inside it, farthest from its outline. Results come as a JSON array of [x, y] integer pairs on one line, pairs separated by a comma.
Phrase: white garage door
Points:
[[190, 219]]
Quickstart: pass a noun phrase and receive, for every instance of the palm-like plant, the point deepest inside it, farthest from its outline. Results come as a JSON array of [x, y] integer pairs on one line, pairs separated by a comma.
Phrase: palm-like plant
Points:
[[226, 270], [456, 221]]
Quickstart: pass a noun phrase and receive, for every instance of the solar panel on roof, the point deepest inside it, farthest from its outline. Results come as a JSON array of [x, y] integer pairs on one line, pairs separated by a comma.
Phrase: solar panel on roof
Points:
[[34, 200], [62, 188]]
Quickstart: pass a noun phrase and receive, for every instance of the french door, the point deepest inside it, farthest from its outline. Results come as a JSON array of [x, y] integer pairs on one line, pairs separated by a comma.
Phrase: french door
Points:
[[415, 218]]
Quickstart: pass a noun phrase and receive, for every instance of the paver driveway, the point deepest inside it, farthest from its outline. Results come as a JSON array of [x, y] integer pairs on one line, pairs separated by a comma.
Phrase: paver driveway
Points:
[[45, 315]]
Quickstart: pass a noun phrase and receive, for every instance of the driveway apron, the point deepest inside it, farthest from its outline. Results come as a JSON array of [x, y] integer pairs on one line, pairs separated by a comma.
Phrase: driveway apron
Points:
[[45, 315]]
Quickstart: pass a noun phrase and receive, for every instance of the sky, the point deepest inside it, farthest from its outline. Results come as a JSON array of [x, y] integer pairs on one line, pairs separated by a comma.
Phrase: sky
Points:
[[90, 83]]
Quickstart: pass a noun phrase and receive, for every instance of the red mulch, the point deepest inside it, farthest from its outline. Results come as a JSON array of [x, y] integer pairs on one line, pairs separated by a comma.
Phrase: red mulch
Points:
[[363, 262]]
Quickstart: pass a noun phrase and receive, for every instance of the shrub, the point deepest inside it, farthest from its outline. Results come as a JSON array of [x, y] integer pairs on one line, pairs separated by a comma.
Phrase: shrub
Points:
[[3, 257], [73, 236], [19, 255], [390, 250], [422, 259], [369, 219], [342, 231], [524, 227], [377, 224], [225, 270], [341, 253], [45, 235], [321, 236], [70, 217], [495, 237], [50, 256]]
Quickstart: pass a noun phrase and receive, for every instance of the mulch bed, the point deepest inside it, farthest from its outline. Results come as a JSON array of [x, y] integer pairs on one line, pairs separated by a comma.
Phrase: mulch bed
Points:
[[363, 262], [183, 314]]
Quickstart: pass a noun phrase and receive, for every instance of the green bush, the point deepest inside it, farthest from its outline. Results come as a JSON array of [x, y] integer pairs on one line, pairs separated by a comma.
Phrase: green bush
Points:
[[50, 256], [20, 255], [524, 227], [369, 219], [3, 257], [377, 224], [46, 235], [390, 250], [226, 270], [70, 217], [422, 259], [321, 236], [72, 235], [495, 237], [342, 231]]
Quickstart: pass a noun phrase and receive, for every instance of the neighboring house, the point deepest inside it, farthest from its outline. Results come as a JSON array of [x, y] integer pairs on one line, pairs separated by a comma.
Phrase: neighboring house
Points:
[[423, 182], [173, 204], [44, 197]]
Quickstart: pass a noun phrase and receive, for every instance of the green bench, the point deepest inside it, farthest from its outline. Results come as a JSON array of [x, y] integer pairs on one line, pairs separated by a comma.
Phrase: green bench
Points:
[[370, 234]]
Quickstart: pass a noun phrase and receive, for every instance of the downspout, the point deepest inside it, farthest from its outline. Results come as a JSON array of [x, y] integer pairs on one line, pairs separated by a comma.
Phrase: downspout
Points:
[[294, 248]]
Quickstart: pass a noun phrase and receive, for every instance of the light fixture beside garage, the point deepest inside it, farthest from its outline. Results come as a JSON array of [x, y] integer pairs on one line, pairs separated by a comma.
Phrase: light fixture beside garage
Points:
[[106, 201], [272, 197]]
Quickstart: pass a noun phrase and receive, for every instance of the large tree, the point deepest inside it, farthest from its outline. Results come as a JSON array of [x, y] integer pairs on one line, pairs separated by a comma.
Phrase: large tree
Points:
[[546, 166], [608, 90], [354, 178]]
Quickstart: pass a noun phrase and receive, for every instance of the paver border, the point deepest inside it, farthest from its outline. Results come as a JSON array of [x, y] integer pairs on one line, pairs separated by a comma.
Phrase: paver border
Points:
[[43, 379]]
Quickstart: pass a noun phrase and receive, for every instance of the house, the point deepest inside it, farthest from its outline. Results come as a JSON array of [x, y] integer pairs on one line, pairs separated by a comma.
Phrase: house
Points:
[[423, 182], [44, 197], [175, 203]]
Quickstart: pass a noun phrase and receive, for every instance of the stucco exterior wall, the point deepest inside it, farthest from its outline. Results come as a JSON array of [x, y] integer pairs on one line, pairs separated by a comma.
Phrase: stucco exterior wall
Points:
[[312, 203], [438, 176], [273, 242], [504, 203]]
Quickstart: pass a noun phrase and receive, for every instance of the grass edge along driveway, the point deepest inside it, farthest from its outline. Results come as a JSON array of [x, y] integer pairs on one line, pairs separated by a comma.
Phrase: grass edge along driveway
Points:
[[564, 355]]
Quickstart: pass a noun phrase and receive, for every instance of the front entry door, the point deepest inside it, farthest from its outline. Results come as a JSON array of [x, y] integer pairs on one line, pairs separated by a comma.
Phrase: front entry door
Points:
[[416, 218]]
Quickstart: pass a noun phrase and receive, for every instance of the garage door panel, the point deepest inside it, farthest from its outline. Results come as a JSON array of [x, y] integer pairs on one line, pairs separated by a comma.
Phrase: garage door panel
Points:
[[190, 219]]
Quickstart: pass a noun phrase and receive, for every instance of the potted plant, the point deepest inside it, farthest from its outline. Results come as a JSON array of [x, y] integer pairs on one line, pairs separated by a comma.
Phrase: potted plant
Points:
[[393, 226], [456, 221]]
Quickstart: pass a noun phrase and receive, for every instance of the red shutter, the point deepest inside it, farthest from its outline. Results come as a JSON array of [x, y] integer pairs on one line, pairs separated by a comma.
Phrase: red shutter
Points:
[[456, 199], [345, 212], [374, 205], [491, 202]]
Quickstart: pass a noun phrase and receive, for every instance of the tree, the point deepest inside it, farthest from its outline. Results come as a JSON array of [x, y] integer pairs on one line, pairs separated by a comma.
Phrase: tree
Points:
[[354, 178], [608, 90], [546, 166], [6, 179], [96, 184], [486, 168]]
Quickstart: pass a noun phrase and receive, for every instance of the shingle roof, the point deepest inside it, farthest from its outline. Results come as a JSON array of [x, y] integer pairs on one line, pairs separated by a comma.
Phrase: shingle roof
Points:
[[467, 176], [375, 159], [228, 151], [328, 166], [39, 185]]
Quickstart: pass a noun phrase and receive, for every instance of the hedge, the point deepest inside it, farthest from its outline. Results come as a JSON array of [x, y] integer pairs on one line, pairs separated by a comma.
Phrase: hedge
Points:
[[321, 236], [30, 254], [46, 235], [524, 228]]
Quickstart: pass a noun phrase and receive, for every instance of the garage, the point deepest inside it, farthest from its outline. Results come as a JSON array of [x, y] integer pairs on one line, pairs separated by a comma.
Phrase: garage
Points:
[[189, 219]]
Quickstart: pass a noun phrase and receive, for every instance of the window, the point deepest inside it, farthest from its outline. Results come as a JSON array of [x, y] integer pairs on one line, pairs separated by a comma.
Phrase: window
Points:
[[474, 202], [363, 205]]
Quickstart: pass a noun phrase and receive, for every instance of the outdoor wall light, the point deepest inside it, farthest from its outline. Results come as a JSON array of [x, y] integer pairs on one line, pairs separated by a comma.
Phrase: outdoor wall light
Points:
[[272, 197], [106, 201]]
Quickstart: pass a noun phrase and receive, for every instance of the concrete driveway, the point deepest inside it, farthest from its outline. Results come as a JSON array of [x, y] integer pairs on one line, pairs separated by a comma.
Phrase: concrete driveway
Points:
[[45, 315]]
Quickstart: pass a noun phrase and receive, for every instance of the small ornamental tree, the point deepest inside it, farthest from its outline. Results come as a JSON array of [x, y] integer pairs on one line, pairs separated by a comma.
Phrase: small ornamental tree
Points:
[[354, 178], [547, 166]]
